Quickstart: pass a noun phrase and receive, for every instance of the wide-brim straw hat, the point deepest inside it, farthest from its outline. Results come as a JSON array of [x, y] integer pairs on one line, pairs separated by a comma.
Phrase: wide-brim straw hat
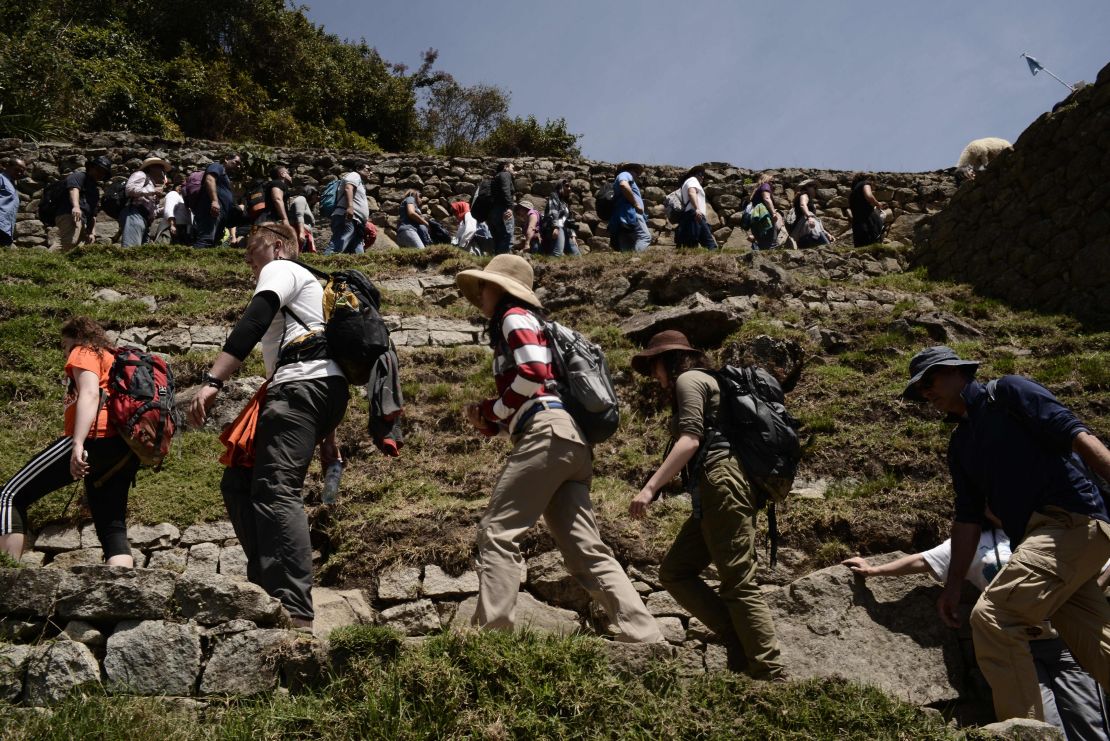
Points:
[[527, 205], [153, 161], [926, 360], [661, 342], [512, 272]]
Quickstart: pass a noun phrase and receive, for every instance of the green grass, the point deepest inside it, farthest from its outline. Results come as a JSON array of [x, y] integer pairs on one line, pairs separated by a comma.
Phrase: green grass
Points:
[[500, 686]]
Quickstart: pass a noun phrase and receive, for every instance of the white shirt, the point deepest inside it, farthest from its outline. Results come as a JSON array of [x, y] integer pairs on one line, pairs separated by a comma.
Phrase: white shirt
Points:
[[992, 553], [173, 207], [699, 205], [362, 207], [467, 227], [298, 290]]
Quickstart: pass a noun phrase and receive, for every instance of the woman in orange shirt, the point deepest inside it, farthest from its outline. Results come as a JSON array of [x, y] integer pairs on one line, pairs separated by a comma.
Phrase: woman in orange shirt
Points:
[[87, 450]]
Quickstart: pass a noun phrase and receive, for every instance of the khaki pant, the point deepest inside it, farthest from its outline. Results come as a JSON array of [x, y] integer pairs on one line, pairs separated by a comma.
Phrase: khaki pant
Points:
[[68, 233], [1051, 576], [548, 474], [725, 536]]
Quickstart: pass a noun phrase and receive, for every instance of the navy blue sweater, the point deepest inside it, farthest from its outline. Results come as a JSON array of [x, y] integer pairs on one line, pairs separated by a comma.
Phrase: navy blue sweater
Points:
[[1015, 454]]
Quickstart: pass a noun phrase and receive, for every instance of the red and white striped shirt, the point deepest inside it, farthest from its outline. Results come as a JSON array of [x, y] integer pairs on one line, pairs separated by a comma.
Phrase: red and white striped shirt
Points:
[[521, 367]]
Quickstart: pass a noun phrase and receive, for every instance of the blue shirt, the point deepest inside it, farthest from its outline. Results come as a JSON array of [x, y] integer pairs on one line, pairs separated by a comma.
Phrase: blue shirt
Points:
[[623, 211], [1014, 453], [9, 205], [223, 185]]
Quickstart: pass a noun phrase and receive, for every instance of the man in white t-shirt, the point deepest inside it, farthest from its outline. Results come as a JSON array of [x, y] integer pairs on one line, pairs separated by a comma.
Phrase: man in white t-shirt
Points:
[[351, 212], [1072, 699], [304, 403], [176, 221], [693, 223]]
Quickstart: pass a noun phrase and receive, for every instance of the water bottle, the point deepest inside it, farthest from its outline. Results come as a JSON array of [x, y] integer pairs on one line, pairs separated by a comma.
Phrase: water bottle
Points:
[[332, 474]]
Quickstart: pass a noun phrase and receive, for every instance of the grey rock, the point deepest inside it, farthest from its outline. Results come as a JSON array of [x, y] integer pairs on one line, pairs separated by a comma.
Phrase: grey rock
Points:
[[79, 557], [56, 668], [208, 335], [716, 658], [245, 663], [153, 657], [336, 609], [209, 532], [438, 584], [704, 322], [175, 340], [32, 559], [399, 584], [83, 632], [114, 593], [832, 623], [55, 538], [29, 592], [22, 631], [88, 536], [109, 296], [233, 562], [412, 618], [150, 302], [211, 599], [13, 663], [661, 604], [229, 628], [672, 629], [153, 537], [1023, 729], [548, 578], [173, 559], [204, 558], [531, 614]]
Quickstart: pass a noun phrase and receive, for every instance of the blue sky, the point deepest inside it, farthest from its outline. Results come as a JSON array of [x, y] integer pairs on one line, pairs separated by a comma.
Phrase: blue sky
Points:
[[849, 84]]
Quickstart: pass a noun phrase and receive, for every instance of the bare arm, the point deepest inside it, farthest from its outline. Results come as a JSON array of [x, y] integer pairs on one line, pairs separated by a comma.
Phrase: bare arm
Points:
[[210, 187], [770, 203], [871, 197], [965, 537], [683, 450], [913, 564], [1093, 453], [279, 203], [88, 402], [75, 206], [349, 190], [410, 209]]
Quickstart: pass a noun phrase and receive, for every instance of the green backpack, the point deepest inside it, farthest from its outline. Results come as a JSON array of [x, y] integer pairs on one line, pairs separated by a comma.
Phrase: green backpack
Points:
[[761, 221]]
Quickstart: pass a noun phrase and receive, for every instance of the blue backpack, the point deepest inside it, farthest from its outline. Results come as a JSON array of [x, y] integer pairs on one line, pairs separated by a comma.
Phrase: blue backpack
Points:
[[328, 198]]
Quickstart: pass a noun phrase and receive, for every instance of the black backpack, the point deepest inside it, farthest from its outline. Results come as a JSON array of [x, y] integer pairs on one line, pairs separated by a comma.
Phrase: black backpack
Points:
[[53, 196], [115, 199], [761, 433], [483, 200], [438, 233], [583, 383], [604, 199], [355, 332]]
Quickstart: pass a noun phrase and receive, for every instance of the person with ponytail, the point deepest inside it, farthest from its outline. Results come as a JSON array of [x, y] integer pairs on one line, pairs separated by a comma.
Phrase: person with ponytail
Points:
[[549, 470], [721, 528], [88, 450]]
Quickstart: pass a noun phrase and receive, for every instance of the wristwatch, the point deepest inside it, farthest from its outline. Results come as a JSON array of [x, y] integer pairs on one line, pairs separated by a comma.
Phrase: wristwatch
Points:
[[211, 380]]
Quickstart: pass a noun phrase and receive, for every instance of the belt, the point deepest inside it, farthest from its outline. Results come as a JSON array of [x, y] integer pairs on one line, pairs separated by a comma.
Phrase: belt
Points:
[[533, 410]]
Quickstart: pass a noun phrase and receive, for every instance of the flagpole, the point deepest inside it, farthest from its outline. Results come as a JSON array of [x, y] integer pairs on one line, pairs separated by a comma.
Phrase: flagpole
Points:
[[1035, 67]]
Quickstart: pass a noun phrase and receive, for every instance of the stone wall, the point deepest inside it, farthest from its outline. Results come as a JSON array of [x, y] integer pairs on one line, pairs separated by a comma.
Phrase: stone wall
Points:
[[442, 180], [1034, 228]]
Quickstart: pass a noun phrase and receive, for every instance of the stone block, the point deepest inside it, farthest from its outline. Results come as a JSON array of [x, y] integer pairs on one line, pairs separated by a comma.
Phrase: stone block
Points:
[[548, 578], [412, 618], [399, 584], [334, 610], [153, 537], [56, 668], [209, 532], [153, 657], [175, 340], [204, 558], [32, 559], [233, 562], [211, 599], [172, 559], [662, 604], [245, 663], [55, 538], [438, 584], [29, 592], [13, 665], [88, 536], [531, 614], [104, 593], [672, 629], [83, 632]]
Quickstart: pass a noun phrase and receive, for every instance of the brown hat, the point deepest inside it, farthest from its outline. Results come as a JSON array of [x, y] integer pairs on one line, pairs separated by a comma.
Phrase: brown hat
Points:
[[661, 342], [693, 170], [511, 272], [630, 166]]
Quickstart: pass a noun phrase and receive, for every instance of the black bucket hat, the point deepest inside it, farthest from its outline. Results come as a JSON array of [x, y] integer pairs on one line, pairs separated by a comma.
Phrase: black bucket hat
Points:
[[929, 358]]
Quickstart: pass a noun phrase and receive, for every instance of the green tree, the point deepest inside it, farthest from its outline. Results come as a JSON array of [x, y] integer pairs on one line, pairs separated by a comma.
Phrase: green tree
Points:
[[516, 137]]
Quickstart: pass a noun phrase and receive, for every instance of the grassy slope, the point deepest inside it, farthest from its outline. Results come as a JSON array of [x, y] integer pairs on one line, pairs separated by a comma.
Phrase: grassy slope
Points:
[[885, 457]]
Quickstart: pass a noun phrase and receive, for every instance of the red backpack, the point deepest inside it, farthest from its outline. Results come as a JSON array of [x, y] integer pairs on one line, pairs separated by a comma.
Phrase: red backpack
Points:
[[141, 404]]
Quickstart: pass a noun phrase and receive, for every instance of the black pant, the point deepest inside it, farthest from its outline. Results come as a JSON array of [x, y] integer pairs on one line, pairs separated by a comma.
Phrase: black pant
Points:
[[264, 502], [48, 471]]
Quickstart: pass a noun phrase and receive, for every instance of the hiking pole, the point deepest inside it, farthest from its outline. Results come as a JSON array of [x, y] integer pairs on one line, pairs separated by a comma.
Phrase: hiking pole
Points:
[[1035, 67]]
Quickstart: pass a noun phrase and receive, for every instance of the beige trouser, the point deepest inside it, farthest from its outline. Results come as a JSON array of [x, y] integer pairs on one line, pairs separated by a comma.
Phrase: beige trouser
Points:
[[68, 233], [548, 474], [1050, 576], [725, 536]]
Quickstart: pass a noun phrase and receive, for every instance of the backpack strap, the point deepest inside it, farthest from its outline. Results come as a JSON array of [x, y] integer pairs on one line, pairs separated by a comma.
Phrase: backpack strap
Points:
[[318, 273]]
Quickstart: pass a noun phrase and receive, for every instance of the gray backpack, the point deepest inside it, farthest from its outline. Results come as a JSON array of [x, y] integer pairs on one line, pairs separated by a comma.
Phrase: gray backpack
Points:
[[583, 383], [673, 206]]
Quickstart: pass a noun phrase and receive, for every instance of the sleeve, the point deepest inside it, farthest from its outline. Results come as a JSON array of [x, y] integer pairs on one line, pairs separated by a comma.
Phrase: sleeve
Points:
[[136, 183], [168, 205], [522, 334], [297, 209], [278, 278], [938, 560], [82, 359], [970, 502], [75, 179], [692, 392], [250, 328], [1047, 419]]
